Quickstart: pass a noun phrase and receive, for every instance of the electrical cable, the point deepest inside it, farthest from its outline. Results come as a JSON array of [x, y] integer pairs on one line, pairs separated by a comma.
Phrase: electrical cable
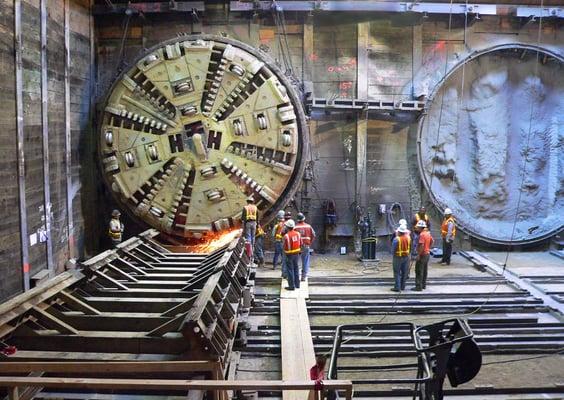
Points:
[[391, 221], [523, 174], [122, 44], [558, 352]]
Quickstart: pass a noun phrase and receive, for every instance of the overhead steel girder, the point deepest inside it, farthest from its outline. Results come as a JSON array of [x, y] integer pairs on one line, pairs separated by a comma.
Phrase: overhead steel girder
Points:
[[384, 6], [364, 6], [150, 7]]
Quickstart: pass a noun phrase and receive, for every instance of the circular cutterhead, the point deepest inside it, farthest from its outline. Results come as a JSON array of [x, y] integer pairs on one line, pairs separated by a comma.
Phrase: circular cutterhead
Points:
[[196, 126]]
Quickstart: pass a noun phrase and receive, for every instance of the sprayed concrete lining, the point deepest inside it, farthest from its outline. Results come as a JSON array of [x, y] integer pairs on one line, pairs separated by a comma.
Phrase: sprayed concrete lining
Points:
[[491, 146]]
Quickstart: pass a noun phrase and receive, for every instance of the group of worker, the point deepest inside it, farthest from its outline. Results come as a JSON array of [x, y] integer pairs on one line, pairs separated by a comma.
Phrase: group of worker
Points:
[[292, 242], [407, 246]]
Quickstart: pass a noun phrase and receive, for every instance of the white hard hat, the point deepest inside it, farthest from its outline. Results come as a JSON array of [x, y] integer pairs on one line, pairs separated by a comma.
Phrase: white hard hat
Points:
[[403, 222], [280, 214], [421, 224], [290, 224], [448, 211], [402, 229]]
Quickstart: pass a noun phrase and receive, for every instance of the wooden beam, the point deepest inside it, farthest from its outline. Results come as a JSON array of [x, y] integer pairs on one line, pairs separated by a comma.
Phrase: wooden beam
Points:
[[52, 322], [100, 342], [29, 393], [109, 366], [180, 308], [303, 291], [298, 355], [130, 266], [13, 393], [77, 303], [121, 273], [161, 384], [138, 259], [109, 279], [169, 326], [20, 304]]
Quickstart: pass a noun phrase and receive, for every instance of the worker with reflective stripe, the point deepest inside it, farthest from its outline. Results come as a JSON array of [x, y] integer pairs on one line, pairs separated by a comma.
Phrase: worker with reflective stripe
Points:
[[259, 246], [278, 235], [400, 249], [448, 232], [115, 231], [423, 254], [421, 215], [292, 248], [308, 234], [249, 216]]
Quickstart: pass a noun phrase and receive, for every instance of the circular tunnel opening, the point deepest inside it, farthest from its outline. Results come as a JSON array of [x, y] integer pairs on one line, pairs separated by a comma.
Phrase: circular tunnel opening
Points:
[[491, 146]]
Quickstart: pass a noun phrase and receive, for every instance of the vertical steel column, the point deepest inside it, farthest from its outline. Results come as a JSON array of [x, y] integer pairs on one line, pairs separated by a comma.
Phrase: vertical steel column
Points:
[[24, 238], [68, 144], [308, 52], [45, 134], [362, 122], [363, 30]]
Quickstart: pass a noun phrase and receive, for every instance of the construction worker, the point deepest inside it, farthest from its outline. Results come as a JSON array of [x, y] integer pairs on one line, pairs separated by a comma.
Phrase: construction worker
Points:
[[403, 222], [448, 233], [249, 217], [292, 247], [423, 254], [421, 215], [308, 234], [400, 260], [116, 228], [277, 236], [259, 246]]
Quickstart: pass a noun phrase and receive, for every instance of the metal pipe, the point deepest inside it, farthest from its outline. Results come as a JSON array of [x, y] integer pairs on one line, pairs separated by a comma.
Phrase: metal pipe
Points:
[[45, 135], [24, 239]]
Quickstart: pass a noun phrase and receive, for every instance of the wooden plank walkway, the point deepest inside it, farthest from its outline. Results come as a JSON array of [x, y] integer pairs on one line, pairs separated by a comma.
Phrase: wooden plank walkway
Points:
[[302, 292], [298, 355]]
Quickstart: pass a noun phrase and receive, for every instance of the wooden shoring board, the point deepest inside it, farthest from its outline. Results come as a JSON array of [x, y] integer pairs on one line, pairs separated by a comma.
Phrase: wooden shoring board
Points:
[[302, 292], [298, 355]]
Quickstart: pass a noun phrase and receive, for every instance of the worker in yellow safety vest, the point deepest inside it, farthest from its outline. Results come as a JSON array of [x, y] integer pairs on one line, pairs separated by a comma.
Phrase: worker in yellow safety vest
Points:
[[259, 246], [249, 217], [448, 233], [401, 247], [115, 230], [278, 235]]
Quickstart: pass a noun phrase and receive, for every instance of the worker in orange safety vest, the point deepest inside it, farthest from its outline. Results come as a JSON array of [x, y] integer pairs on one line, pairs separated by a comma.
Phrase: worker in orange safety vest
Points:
[[292, 247], [401, 247], [308, 235], [448, 233]]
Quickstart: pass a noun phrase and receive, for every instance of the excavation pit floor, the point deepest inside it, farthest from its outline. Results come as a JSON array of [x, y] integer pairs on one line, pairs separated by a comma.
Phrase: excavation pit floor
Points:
[[509, 324]]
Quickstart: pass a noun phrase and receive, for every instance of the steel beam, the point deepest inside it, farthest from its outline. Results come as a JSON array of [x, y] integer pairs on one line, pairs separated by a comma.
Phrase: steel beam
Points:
[[24, 238], [476, 257], [68, 144], [368, 6], [45, 137], [544, 12], [150, 7], [318, 103]]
